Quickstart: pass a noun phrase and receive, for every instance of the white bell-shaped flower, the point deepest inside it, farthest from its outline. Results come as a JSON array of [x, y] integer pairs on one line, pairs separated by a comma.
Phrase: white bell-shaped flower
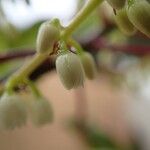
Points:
[[70, 70], [139, 14], [12, 111], [48, 34], [88, 65], [40, 112], [124, 23]]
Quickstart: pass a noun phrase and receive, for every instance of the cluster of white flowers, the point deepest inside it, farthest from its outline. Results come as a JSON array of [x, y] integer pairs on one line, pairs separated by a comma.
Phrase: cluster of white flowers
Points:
[[14, 111], [132, 15]]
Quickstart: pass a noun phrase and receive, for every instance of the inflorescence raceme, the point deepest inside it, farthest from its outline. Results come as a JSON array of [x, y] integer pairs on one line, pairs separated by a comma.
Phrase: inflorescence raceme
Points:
[[72, 68]]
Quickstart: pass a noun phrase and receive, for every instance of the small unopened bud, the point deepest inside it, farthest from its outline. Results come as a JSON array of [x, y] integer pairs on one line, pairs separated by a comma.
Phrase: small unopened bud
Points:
[[48, 34], [117, 4], [124, 23], [89, 65], [13, 112], [40, 112], [70, 70], [139, 14]]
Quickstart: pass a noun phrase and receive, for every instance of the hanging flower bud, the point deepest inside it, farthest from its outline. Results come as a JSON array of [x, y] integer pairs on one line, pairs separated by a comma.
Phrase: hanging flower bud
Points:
[[70, 70], [88, 65], [48, 34], [117, 4], [40, 112], [13, 112], [139, 14], [124, 23]]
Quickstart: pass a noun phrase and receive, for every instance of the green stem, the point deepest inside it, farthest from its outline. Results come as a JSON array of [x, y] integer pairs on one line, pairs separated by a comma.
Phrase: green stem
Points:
[[32, 65], [63, 46], [25, 71], [34, 89], [82, 15], [76, 45]]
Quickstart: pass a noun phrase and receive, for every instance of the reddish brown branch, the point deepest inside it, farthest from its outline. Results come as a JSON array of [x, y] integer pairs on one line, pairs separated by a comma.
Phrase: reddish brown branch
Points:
[[13, 55], [134, 49], [96, 44], [100, 43]]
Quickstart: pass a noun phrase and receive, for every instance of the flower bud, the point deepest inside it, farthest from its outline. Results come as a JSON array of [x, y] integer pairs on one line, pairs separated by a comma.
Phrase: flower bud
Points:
[[139, 14], [40, 112], [124, 23], [70, 70], [88, 65], [13, 111], [117, 4], [48, 34]]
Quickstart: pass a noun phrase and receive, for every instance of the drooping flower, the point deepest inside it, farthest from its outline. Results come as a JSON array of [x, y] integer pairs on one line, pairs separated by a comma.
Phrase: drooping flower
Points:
[[139, 14], [13, 111], [124, 23], [70, 70], [88, 65], [48, 34], [40, 112]]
